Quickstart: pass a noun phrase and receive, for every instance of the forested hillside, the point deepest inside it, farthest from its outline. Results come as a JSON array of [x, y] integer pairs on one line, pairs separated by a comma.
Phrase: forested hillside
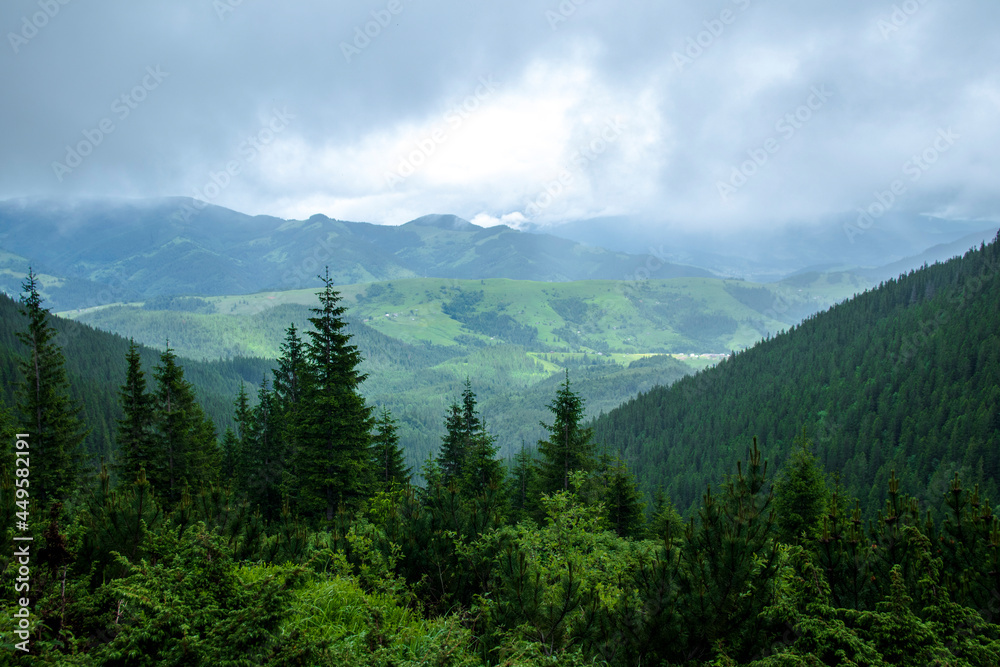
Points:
[[905, 377], [299, 538], [96, 368]]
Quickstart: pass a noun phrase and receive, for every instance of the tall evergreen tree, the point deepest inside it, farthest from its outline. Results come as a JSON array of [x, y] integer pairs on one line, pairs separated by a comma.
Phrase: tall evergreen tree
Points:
[[269, 453], [451, 459], [135, 429], [283, 413], [186, 451], [467, 458], [800, 495], [522, 484], [622, 500], [50, 416], [568, 446], [388, 454], [333, 423]]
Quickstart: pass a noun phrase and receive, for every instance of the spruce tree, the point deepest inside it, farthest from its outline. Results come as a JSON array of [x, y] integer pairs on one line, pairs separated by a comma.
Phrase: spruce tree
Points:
[[186, 450], [467, 459], [49, 415], [451, 459], [800, 495], [388, 454], [135, 428], [568, 446], [522, 483], [283, 413], [333, 423], [620, 494], [269, 453]]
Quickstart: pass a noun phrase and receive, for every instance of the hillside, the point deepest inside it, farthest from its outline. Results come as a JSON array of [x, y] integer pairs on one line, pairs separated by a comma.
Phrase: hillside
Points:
[[95, 364], [683, 315], [108, 250], [905, 377]]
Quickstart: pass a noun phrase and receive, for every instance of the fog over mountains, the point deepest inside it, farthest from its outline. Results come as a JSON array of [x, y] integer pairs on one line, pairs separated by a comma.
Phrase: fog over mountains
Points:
[[130, 249], [96, 251]]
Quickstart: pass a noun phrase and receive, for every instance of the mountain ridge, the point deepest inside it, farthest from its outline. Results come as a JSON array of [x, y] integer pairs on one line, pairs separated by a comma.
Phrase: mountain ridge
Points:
[[175, 246]]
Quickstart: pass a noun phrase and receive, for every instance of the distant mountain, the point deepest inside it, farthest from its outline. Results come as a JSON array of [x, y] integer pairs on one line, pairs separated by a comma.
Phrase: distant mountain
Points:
[[770, 253], [903, 378], [106, 250]]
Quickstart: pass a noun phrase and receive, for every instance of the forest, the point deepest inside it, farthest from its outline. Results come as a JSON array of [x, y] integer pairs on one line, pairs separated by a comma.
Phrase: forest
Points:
[[696, 525]]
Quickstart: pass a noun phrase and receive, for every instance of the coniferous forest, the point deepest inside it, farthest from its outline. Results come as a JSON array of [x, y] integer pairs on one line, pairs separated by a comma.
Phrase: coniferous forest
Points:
[[820, 499]]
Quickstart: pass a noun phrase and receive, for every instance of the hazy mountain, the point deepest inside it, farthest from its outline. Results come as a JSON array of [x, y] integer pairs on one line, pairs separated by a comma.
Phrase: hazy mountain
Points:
[[170, 246], [772, 253]]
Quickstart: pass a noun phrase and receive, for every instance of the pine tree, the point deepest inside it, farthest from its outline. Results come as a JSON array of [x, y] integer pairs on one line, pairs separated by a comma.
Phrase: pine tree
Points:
[[284, 410], [800, 495], [388, 454], [620, 495], [186, 450], [333, 425], [568, 446], [269, 454], [451, 459], [135, 429], [230, 457], [467, 458], [522, 483], [50, 416]]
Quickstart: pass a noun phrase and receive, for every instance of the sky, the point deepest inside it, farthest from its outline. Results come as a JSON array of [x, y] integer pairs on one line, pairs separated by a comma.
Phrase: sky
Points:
[[703, 115]]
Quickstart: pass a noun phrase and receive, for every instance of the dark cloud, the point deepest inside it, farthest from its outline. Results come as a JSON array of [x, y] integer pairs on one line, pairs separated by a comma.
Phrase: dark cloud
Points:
[[370, 90]]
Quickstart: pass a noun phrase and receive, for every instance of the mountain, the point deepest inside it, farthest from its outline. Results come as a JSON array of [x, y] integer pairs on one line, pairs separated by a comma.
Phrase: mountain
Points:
[[768, 253], [903, 378], [116, 249]]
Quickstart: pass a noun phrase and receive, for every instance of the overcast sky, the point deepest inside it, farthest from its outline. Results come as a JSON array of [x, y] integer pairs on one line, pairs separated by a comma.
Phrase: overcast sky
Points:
[[710, 114]]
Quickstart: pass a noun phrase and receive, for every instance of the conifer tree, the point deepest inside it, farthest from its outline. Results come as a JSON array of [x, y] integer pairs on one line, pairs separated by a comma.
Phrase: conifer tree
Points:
[[568, 446], [186, 450], [269, 454], [467, 458], [451, 459], [284, 408], [333, 423], [800, 495], [230, 457], [50, 416], [135, 428], [620, 494], [388, 454], [522, 484]]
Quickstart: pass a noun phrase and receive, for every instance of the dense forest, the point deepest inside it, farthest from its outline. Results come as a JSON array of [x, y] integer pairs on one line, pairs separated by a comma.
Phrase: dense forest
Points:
[[297, 537], [904, 377]]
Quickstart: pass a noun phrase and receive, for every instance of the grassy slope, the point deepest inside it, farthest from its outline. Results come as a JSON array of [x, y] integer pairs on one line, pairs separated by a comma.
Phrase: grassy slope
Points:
[[417, 356], [681, 315]]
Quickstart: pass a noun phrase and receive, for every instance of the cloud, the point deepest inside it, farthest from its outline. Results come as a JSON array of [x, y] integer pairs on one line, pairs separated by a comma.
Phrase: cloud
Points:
[[502, 112]]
